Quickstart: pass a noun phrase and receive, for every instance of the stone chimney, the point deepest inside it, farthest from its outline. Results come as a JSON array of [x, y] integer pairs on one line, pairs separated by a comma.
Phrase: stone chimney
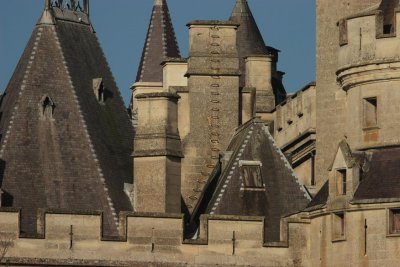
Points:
[[259, 75], [157, 154]]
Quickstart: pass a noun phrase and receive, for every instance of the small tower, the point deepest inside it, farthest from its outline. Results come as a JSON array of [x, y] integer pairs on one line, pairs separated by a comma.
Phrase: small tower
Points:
[[157, 155], [251, 47], [160, 44], [368, 73]]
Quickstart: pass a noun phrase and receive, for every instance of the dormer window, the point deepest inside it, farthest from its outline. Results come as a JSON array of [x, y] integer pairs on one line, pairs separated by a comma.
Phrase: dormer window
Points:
[[251, 175], [341, 179], [47, 107], [98, 89]]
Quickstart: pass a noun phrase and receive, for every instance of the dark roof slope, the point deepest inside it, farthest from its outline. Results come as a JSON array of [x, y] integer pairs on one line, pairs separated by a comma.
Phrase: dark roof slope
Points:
[[160, 44], [60, 147], [320, 198], [282, 193], [249, 38], [381, 177]]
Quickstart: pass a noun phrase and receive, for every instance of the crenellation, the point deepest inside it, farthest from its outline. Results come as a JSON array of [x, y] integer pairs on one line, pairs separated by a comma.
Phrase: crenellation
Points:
[[155, 234]]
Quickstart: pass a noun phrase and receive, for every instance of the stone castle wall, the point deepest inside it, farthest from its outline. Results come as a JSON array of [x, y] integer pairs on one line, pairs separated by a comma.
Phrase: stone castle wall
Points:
[[368, 69], [157, 240], [330, 97], [151, 240]]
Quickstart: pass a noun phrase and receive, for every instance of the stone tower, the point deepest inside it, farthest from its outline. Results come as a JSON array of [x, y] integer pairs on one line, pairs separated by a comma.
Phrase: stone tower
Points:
[[330, 97], [213, 81], [250, 43], [367, 72], [66, 138]]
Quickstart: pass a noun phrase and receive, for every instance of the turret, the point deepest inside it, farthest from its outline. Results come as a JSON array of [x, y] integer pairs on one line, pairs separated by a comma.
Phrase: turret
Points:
[[368, 72], [157, 155], [160, 44], [251, 48]]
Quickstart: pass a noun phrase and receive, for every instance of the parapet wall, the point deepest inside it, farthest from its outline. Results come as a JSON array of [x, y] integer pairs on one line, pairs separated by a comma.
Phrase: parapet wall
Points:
[[295, 116], [146, 239], [364, 46]]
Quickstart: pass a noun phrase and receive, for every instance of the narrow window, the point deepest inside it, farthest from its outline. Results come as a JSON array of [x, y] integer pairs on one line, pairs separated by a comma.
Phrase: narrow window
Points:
[[338, 224], [98, 89], [313, 183], [47, 107], [370, 112], [251, 175], [394, 221], [341, 177]]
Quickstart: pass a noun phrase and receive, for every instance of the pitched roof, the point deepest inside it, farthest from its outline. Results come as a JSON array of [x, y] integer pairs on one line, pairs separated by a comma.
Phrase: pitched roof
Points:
[[249, 38], [160, 44], [381, 177], [281, 194], [60, 147]]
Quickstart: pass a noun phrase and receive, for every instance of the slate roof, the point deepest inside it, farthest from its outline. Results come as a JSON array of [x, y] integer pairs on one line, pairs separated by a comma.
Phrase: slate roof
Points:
[[78, 157], [160, 44], [282, 193], [250, 42], [320, 198], [249, 38], [380, 177]]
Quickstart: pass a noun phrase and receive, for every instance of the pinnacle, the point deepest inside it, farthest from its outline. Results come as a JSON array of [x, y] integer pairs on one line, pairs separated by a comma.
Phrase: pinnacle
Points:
[[241, 9], [160, 44]]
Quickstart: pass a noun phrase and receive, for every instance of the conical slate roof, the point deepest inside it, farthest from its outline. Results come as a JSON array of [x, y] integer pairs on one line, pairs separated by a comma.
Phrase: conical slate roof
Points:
[[66, 138], [160, 44], [249, 38], [233, 192]]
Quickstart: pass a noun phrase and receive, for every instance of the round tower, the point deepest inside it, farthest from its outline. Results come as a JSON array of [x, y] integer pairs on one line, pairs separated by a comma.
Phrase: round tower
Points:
[[369, 73]]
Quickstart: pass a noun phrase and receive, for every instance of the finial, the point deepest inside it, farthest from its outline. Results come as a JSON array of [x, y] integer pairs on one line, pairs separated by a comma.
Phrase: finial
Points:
[[159, 2], [47, 4]]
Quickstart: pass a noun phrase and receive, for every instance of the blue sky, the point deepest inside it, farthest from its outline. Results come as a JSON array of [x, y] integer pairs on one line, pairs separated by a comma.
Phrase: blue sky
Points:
[[121, 25]]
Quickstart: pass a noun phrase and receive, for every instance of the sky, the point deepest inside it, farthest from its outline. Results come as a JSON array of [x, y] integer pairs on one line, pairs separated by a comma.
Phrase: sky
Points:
[[121, 26]]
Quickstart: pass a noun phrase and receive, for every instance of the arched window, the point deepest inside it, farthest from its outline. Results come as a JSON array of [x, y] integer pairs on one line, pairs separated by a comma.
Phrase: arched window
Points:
[[47, 107]]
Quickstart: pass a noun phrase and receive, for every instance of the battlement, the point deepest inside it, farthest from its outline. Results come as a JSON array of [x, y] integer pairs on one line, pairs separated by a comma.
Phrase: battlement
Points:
[[367, 45], [144, 237]]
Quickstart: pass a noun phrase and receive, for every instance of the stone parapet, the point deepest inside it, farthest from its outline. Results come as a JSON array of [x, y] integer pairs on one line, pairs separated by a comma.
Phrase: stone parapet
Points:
[[149, 239]]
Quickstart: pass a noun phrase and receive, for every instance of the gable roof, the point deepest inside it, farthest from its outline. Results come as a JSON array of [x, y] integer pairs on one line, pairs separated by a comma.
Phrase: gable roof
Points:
[[160, 44], [282, 193], [60, 147]]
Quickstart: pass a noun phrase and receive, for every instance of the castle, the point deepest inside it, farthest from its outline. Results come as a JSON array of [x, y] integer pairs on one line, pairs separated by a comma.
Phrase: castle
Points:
[[212, 164]]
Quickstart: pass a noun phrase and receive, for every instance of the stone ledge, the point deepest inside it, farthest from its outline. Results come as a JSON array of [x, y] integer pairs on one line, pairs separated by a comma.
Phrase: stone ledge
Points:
[[158, 95]]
